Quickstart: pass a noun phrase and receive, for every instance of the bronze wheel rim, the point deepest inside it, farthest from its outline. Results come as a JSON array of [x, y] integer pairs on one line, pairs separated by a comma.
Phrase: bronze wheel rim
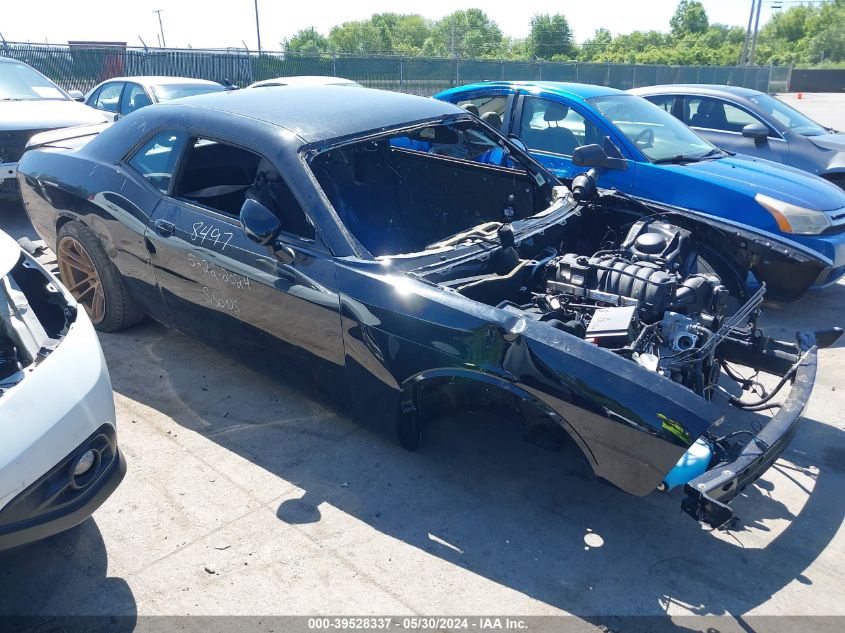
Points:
[[81, 278]]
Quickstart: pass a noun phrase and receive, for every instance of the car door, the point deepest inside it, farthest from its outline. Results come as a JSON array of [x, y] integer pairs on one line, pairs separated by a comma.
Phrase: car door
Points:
[[553, 128], [230, 291], [721, 123], [107, 98]]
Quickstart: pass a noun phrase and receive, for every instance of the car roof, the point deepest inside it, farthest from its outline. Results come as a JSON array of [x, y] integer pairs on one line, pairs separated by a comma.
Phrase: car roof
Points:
[[307, 80], [314, 113], [156, 80], [563, 88], [702, 89]]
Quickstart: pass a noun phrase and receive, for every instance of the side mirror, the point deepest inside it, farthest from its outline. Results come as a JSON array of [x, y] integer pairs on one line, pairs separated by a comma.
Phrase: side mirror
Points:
[[513, 138], [262, 226], [757, 131], [76, 95], [595, 155]]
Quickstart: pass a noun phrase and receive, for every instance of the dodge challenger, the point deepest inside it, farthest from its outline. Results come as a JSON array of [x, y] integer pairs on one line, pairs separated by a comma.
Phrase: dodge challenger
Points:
[[410, 257]]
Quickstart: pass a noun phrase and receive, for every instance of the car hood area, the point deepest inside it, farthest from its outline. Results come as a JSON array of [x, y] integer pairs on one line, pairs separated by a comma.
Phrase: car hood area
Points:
[[45, 114], [751, 176], [834, 142]]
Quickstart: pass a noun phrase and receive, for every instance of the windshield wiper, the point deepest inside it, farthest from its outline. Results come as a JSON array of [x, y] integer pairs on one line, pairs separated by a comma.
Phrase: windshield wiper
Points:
[[683, 158], [674, 160]]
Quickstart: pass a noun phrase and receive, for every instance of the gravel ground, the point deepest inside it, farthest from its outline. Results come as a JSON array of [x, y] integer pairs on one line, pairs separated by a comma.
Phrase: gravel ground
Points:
[[245, 495]]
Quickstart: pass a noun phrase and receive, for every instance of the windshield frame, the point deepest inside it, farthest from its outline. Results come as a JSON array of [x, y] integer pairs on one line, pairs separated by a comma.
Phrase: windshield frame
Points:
[[541, 176], [758, 100], [45, 82], [704, 146]]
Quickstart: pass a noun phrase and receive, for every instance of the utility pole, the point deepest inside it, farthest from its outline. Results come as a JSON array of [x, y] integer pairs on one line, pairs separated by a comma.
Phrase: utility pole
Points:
[[257, 28], [756, 31], [160, 27], [743, 56]]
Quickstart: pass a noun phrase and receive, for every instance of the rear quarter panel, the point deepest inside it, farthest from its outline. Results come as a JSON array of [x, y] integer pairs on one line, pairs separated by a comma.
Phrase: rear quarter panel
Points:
[[60, 185]]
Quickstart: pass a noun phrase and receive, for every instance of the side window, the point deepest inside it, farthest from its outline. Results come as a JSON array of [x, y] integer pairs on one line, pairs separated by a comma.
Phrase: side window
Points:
[[156, 159], [109, 97], [134, 97], [222, 176], [663, 101], [92, 100], [551, 126], [715, 114], [489, 109], [738, 118]]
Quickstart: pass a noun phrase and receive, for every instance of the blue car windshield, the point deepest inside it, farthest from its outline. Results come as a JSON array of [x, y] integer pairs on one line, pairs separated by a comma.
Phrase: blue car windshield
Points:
[[656, 133], [787, 116]]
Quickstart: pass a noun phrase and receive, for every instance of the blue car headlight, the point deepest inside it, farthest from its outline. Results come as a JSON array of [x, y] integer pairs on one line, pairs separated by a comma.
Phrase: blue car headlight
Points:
[[791, 218]]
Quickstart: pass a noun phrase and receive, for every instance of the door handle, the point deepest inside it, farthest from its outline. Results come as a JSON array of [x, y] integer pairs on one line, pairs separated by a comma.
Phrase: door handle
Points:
[[165, 228]]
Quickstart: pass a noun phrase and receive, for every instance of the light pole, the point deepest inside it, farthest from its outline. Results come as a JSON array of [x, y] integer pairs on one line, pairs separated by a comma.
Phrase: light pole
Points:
[[743, 57], [160, 27], [756, 31], [257, 27]]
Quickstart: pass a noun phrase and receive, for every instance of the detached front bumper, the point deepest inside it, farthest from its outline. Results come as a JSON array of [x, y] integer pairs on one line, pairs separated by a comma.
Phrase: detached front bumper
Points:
[[707, 495]]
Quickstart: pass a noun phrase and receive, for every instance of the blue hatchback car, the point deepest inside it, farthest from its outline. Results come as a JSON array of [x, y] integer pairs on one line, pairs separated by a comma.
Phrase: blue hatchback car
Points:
[[669, 163]]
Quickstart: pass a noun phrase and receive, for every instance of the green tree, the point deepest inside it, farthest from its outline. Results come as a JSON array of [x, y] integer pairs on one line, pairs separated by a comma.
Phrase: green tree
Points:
[[551, 36], [596, 46], [689, 17], [359, 37], [307, 41], [405, 33], [465, 33], [826, 33]]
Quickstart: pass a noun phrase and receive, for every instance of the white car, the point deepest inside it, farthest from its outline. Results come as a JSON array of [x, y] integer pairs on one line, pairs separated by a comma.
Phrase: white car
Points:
[[305, 80], [59, 458], [118, 96], [31, 103]]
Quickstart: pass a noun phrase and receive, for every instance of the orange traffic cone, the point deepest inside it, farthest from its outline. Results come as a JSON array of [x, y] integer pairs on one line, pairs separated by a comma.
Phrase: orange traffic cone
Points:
[[800, 95]]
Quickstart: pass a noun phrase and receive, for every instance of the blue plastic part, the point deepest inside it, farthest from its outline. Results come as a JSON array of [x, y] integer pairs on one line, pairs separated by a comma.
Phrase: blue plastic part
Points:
[[692, 463]]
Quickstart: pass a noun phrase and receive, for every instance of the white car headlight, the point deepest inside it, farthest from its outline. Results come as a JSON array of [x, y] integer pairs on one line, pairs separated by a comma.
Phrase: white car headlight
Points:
[[792, 218]]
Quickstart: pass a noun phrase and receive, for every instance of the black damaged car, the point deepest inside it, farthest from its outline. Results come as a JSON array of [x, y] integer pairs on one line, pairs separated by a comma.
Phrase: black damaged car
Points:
[[412, 257]]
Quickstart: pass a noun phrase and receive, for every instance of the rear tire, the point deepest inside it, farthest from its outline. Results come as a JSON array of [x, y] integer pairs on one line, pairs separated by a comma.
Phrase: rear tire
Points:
[[93, 279]]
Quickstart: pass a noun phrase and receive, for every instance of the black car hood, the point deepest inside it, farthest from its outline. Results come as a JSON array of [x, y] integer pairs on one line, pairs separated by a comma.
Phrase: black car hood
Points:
[[45, 114]]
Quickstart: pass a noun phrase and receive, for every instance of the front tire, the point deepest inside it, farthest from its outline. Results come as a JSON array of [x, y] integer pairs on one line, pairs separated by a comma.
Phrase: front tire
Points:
[[93, 279]]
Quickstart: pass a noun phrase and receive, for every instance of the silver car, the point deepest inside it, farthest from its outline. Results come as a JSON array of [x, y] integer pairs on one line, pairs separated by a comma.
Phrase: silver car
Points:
[[752, 122]]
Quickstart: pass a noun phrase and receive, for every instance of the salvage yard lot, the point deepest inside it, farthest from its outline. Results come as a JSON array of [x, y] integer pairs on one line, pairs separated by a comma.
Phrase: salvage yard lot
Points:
[[246, 495]]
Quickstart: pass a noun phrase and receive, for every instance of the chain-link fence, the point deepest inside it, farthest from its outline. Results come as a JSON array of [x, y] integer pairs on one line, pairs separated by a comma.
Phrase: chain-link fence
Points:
[[82, 67]]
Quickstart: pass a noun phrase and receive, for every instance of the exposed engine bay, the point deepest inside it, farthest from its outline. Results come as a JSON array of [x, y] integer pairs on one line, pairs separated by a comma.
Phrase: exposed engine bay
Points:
[[642, 297], [644, 300]]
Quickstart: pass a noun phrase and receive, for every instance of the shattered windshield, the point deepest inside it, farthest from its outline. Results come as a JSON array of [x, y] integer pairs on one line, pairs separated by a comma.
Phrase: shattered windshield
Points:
[[441, 184]]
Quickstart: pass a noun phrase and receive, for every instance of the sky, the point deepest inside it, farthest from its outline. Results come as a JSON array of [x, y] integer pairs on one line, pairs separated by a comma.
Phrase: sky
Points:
[[219, 24]]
